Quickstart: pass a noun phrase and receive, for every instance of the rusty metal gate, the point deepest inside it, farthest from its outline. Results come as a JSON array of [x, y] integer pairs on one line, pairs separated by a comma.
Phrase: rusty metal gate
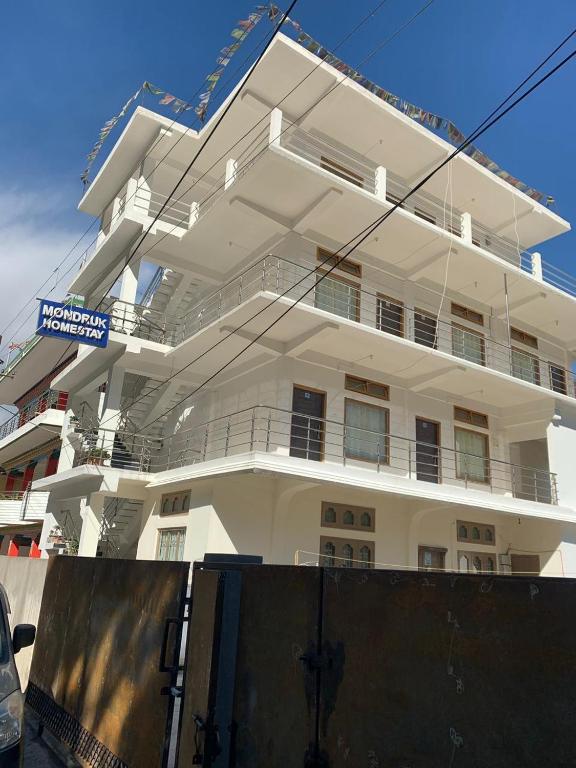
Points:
[[330, 668], [106, 658]]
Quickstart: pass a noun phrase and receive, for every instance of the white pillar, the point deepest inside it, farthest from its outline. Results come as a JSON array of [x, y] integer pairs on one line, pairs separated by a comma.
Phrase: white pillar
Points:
[[123, 310], [230, 173], [537, 266], [194, 212], [111, 412], [380, 183], [467, 228], [91, 514], [275, 127]]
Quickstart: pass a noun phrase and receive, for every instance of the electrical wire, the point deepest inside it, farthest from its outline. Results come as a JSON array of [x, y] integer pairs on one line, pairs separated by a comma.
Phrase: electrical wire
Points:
[[491, 120]]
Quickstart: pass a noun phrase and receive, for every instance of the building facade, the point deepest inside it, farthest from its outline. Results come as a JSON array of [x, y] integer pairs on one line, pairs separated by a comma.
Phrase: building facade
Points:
[[411, 406]]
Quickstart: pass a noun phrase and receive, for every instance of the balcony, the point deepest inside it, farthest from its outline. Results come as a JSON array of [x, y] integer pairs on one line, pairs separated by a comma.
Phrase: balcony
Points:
[[22, 507], [365, 306], [287, 434], [50, 399]]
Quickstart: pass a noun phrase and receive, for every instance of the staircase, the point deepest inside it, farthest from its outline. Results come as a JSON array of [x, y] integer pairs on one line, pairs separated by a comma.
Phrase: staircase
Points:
[[171, 293], [154, 398], [118, 518]]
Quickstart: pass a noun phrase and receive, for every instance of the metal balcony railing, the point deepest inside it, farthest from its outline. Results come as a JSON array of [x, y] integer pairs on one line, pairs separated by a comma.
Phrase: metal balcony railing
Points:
[[140, 320], [374, 309], [49, 399], [278, 431]]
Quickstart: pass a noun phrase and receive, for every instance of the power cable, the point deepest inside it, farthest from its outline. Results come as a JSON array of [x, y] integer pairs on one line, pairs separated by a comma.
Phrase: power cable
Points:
[[364, 234]]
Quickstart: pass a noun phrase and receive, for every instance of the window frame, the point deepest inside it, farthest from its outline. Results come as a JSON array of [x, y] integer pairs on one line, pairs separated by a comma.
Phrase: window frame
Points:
[[340, 509], [382, 297], [352, 268], [341, 171], [345, 281], [428, 315], [535, 360], [175, 501], [466, 313], [486, 436], [339, 543], [384, 460], [473, 333], [483, 527], [161, 532], [385, 396], [564, 372], [471, 422], [523, 337], [483, 557]]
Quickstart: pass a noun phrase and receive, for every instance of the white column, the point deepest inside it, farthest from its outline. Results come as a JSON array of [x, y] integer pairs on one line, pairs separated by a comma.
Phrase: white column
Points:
[[230, 173], [467, 228], [124, 309], [91, 514], [380, 183], [194, 212], [537, 266], [111, 412], [275, 127]]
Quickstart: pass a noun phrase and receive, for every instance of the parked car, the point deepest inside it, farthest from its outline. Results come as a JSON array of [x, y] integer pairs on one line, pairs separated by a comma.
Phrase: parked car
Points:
[[11, 696]]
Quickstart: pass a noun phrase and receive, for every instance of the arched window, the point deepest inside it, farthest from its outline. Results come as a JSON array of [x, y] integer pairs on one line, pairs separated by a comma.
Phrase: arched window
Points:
[[488, 535], [185, 502], [165, 504], [329, 515], [348, 555], [329, 552], [174, 504], [477, 564], [366, 520], [463, 532], [476, 533], [489, 564], [463, 564], [348, 517], [365, 557]]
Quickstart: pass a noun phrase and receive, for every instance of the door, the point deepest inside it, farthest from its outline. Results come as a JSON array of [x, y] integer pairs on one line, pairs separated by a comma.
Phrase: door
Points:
[[431, 558], [525, 564], [427, 450], [307, 430]]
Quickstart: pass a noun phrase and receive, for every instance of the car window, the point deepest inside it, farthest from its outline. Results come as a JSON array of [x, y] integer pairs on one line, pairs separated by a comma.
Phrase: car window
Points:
[[4, 638]]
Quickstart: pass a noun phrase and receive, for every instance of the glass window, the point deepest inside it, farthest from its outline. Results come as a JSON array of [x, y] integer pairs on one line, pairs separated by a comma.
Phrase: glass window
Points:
[[477, 564], [338, 296], [390, 316], [476, 533], [165, 506], [488, 535], [525, 366], [366, 432], [489, 564], [329, 553], [425, 330], [185, 502], [171, 544], [366, 520], [348, 555], [175, 504], [468, 345], [463, 532], [558, 379], [472, 461], [365, 557], [348, 517], [329, 515]]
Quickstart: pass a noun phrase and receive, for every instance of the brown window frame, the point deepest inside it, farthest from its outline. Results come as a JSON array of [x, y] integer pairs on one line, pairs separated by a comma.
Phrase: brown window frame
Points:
[[341, 171], [430, 316], [422, 548], [170, 498], [348, 377], [346, 281], [535, 359], [467, 313], [564, 379], [340, 509], [481, 418], [483, 557], [422, 214], [386, 459], [487, 480], [341, 542], [172, 529], [524, 338], [474, 333], [482, 527], [391, 300], [352, 268]]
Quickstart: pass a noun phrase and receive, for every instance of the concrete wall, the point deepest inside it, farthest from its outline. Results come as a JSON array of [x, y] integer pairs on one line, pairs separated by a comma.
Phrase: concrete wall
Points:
[[23, 579]]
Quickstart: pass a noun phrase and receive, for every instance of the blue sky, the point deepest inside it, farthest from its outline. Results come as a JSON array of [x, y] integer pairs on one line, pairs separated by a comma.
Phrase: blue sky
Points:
[[69, 66]]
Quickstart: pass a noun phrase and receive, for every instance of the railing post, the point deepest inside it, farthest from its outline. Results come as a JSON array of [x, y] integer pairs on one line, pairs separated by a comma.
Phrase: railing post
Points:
[[205, 448], [378, 455], [230, 176], [536, 264], [466, 225], [252, 426], [240, 289], [227, 441], [194, 213], [409, 460], [275, 127], [268, 428], [344, 434], [380, 183]]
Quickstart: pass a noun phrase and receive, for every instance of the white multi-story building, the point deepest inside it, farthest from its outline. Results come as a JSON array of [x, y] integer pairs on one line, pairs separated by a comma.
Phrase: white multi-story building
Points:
[[416, 408]]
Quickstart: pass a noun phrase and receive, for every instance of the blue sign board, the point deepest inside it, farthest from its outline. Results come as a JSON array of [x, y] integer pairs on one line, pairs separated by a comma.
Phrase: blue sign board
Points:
[[63, 321]]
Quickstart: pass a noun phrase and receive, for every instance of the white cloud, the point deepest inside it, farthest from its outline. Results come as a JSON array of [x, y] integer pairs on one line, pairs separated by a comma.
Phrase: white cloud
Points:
[[33, 240]]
